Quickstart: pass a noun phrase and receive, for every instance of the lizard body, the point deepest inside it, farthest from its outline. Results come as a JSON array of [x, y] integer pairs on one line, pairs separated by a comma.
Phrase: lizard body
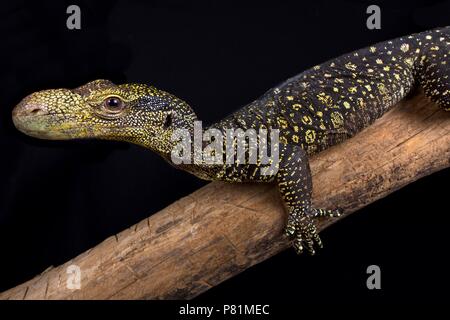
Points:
[[314, 110]]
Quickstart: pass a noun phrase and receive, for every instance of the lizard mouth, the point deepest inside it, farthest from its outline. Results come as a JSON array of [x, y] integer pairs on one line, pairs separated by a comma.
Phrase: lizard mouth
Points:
[[35, 120], [57, 126], [41, 126]]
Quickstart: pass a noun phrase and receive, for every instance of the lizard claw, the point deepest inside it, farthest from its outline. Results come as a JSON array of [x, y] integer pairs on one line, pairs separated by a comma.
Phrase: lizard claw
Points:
[[291, 227], [304, 232], [298, 245], [319, 213]]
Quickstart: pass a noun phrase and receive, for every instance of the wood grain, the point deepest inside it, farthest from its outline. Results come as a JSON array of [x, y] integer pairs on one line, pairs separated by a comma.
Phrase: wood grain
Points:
[[222, 229]]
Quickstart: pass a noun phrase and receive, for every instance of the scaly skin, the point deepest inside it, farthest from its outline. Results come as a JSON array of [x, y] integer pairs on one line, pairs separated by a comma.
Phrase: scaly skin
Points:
[[313, 111]]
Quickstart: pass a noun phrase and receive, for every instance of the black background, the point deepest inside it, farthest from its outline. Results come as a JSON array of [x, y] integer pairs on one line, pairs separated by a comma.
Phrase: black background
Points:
[[58, 199]]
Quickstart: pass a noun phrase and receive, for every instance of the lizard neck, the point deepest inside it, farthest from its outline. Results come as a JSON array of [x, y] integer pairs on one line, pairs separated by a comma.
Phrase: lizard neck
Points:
[[191, 158]]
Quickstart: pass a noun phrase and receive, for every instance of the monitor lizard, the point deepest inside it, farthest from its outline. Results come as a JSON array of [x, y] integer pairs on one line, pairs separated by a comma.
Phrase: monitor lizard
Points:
[[314, 110]]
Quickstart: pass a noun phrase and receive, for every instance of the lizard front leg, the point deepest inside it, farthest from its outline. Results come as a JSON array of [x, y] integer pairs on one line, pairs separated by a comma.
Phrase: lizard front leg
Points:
[[295, 185]]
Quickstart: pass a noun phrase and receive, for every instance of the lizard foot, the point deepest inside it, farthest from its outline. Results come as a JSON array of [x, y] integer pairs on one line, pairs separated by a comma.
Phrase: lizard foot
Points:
[[302, 230]]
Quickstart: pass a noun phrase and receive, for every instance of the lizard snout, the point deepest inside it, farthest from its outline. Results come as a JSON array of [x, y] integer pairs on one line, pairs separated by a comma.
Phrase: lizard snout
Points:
[[24, 109], [27, 116]]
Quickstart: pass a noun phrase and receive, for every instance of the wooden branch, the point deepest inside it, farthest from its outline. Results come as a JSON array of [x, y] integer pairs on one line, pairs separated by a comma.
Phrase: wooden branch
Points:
[[222, 229]]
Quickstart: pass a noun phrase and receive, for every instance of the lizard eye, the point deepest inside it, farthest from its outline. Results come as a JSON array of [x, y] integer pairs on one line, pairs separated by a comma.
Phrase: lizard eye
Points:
[[113, 104]]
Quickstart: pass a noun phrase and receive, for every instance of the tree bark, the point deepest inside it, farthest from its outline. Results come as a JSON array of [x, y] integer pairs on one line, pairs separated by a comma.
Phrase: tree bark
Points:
[[222, 229]]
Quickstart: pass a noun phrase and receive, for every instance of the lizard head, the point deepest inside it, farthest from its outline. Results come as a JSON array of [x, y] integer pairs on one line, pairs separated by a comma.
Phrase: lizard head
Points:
[[133, 113]]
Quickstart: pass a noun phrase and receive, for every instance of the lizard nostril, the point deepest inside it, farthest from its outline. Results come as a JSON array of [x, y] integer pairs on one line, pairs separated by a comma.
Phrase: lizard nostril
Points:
[[29, 110], [34, 110]]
